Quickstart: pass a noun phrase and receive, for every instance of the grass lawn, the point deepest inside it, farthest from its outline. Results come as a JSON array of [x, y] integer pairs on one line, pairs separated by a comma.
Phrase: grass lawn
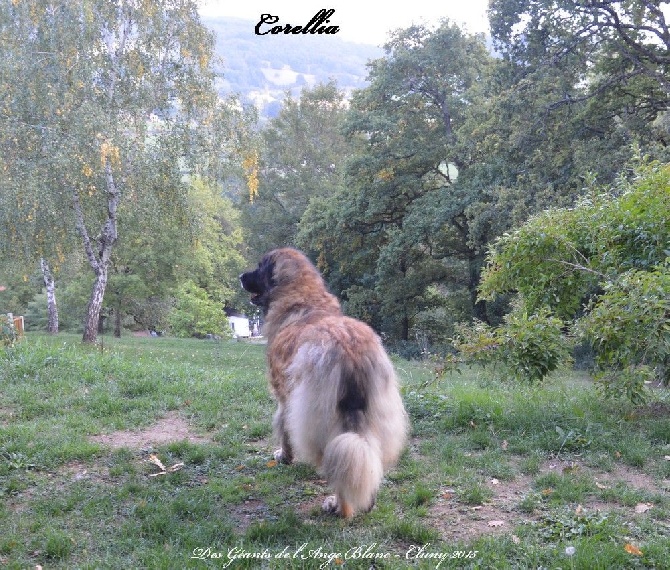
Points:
[[497, 475]]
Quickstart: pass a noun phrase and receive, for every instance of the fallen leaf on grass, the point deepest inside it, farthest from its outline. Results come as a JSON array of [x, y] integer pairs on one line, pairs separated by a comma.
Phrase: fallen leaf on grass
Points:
[[601, 486], [153, 458], [632, 549], [172, 469], [547, 492], [496, 523], [516, 539], [643, 507], [271, 463], [579, 510]]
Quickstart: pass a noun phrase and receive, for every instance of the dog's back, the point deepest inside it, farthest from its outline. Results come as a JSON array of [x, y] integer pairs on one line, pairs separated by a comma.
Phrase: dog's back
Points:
[[344, 413]]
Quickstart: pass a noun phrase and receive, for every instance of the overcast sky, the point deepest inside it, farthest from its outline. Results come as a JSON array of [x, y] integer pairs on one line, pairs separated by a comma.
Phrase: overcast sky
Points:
[[358, 20]]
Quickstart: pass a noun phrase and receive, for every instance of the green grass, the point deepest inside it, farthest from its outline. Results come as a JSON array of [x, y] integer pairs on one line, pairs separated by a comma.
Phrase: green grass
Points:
[[557, 465]]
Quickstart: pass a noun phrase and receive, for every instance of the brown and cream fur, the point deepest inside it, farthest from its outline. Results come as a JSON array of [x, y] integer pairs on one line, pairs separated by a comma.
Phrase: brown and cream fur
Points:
[[339, 407]]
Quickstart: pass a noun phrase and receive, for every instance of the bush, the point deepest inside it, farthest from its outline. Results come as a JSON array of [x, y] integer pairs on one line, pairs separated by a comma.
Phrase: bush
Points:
[[629, 330], [602, 265], [7, 331], [528, 346], [196, 315]]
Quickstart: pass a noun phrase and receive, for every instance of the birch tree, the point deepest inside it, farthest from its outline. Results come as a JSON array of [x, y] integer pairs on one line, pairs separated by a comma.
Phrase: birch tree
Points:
[[98, 89]]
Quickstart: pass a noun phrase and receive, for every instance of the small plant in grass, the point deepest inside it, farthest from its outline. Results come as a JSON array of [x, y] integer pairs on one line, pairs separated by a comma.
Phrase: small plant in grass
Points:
[[412, 532], [530, 465], [568, 526], [58, 546], [8, 335], [421, 495], [571, 440], [475, 494], [17, 461], [530, 503], [568, 488]]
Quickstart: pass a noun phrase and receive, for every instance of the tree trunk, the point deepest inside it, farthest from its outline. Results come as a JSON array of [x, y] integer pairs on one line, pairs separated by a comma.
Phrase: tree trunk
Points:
[[117, 321], [404, 333], [52, 308], [98, 260], [94, 307]]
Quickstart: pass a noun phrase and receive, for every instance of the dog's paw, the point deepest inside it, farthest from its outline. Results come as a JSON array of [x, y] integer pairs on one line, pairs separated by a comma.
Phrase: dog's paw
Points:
[[333, 506], [280, 456], [330, 504]]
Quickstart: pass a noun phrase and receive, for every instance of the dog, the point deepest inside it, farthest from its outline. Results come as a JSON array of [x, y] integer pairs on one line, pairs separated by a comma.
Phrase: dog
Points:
[[339, 405]]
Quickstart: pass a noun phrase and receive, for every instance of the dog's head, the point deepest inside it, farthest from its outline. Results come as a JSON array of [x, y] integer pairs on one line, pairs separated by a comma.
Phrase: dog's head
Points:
[[279, 270]]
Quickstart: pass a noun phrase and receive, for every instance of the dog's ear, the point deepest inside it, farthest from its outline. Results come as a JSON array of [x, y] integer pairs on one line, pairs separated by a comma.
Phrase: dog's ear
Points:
[[266, 271]]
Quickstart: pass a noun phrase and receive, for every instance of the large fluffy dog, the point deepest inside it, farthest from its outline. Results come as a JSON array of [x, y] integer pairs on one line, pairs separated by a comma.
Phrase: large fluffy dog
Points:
[[339, 407]]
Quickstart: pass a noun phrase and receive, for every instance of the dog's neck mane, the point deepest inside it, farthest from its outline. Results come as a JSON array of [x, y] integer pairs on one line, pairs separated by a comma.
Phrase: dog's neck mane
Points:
[[285, 311]]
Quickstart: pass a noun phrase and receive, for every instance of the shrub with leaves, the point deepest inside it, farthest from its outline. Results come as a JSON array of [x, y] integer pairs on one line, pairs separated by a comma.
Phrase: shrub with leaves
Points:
[[477, 343], [629, 328], [528, 346], [7, 331], [196, 315], [533, 345], [602, 265]]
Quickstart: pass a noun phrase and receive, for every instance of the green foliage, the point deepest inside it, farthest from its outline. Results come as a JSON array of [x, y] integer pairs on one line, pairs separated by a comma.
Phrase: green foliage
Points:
[[398, 227], [533, 344], [302, 161], [7, 331], [604, 265], [212, 257], [196, 314], [541, 260], [528, 346], [629, 328]]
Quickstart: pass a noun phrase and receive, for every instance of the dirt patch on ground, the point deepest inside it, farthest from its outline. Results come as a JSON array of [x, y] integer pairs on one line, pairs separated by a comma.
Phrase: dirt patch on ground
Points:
[[460, 522], [619, 474], [500, 514], [6, 416], [169, 429], [249, 512]]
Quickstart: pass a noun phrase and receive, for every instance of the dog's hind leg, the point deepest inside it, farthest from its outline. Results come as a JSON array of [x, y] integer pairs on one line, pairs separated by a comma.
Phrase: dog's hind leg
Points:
[[285, 453], [335, 505]]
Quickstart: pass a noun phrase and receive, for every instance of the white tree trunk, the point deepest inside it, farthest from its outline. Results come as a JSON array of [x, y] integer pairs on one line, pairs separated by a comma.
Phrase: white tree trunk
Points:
[[94, 307], [100, 260], [52, 308]]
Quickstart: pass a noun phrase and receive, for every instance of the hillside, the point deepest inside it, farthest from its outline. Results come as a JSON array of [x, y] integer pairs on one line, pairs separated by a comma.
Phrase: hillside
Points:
[[262, 69]]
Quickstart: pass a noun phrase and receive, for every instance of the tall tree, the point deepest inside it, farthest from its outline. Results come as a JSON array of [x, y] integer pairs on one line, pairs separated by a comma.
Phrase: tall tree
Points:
[[618, 53], [302, 158], [578, 86], [97, 88], [403, 211]]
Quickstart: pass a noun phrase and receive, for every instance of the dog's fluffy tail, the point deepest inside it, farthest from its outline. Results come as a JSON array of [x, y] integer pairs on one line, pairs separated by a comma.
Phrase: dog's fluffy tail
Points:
[[352, 464]]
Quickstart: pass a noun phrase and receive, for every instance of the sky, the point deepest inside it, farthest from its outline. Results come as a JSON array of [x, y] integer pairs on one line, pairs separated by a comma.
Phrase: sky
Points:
[[358, 20]]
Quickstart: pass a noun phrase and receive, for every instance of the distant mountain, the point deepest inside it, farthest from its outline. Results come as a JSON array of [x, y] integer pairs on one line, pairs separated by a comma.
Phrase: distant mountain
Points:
[[262, 69]]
